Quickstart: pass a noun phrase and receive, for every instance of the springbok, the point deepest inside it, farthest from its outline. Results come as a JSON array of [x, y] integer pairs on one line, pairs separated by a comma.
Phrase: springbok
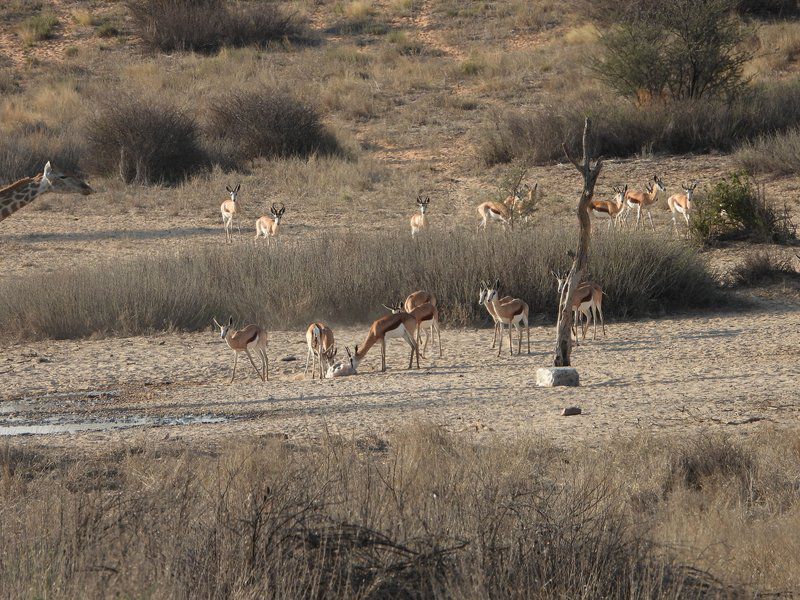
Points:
[[514, 312], [424, 314], [523, 201], [682, 203], [244, 340], [319, 338], [587, 300], [612, 208], [420, 222], [269, 227], [418, 298], [482, 300], [391, 326], [342, 369], [495, 212], [229, 208], [644, 200]]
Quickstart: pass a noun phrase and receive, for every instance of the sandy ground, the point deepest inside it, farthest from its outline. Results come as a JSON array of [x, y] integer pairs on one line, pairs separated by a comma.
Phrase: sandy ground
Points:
[[735, 371]]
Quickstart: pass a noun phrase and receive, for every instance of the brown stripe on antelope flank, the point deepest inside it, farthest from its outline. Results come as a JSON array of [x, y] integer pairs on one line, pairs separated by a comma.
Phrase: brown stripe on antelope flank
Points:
[[252, 338], [494, 210], [586, 296], [519, 312]]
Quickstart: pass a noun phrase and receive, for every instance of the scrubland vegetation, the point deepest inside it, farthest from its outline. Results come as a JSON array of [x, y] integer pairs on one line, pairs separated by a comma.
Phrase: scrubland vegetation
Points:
[[420, 513], [642, 274]]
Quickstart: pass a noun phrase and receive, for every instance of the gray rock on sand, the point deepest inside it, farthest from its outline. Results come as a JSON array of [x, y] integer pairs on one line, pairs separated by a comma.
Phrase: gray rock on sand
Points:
[[557, 376]]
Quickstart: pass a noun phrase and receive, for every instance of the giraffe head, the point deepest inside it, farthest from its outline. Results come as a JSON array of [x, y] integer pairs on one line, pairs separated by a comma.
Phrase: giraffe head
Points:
[[64, 183]]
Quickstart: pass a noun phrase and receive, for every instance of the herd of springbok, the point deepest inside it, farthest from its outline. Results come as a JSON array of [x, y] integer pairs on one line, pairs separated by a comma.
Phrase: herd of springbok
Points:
[[419, 313]]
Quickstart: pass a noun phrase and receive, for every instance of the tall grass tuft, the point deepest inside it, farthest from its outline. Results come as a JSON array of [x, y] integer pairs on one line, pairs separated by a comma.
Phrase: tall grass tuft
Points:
[[776, 153], [345, 280], [38, 28]]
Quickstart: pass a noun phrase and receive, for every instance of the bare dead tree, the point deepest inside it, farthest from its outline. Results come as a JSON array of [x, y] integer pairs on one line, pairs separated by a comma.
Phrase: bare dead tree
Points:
[[580, 263]]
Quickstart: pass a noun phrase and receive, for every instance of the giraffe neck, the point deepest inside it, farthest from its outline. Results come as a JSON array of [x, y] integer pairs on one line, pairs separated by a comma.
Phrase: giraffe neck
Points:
[[21, 193]]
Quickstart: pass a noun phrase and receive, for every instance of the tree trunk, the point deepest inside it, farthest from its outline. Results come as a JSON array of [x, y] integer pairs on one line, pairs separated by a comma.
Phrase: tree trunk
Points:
[[580, 264]]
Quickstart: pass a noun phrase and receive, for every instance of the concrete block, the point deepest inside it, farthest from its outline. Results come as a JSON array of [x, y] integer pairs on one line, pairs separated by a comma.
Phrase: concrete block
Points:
[[557, 376]]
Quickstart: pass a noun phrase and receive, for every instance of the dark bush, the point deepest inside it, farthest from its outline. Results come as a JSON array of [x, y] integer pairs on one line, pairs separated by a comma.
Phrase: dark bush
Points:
[[143, 141], [208, 25], [760, 266], [702, 459], [639, 273], [245, 125], [769, 8], [621, 128], [737, 208]]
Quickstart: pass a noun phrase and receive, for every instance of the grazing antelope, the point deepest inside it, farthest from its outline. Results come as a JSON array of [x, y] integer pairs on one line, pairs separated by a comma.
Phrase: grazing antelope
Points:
[[587, 300], [424, 314], [418, 298], [523, 201], [269, 227], [482, 300], [513, 312], [244, 340], [391, 326], [644, 200], [342, 369], [612, 208], [420, 222], [682, 203], [494, 211], [319, 338], [229, 208]]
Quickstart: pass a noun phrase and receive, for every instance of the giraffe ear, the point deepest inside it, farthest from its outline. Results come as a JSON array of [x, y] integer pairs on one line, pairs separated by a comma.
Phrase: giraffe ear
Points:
[[47, 169]]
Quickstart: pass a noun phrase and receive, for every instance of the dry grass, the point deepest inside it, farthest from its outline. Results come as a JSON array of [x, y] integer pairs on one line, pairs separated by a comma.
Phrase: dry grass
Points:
[[761, 266], [345, 279], [778, 153], [38, 28], [84, 17], [419, 513], [625, 129]]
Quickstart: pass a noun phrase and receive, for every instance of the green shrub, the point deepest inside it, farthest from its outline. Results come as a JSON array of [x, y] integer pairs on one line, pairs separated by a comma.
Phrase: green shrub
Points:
[[699, 49], [738, 209], [345, 279]]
